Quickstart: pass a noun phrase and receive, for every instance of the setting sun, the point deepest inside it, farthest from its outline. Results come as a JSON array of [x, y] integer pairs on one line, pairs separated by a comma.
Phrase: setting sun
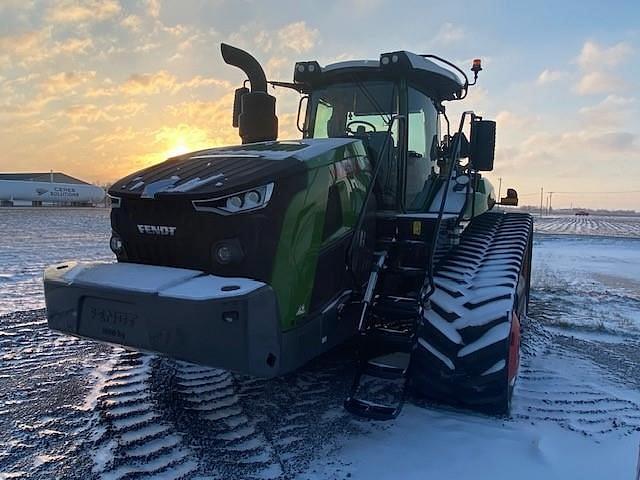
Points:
[[178, 149]]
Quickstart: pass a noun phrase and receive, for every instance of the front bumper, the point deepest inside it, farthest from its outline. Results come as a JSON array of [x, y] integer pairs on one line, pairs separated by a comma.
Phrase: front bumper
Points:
[[230, 323]]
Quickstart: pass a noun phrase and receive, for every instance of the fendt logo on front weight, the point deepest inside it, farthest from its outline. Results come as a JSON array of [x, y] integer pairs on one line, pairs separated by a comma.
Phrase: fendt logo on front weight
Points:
[[157, 230]]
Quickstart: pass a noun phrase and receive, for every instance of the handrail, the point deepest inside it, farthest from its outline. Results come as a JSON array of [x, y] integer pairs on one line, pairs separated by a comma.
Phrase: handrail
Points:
[[374, 176], [454, 157]]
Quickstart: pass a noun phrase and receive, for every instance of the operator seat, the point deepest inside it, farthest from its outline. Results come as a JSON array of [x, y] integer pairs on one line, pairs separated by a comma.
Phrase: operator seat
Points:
[[386, 183]]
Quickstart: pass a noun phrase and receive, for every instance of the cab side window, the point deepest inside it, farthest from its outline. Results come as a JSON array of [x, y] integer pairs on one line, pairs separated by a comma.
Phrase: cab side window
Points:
[[423, 142]]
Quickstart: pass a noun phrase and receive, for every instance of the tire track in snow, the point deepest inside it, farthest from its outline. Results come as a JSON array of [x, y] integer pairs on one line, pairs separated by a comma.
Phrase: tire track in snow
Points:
[[304, 415], [208, 407], [561, 384], [44, 381], [244, 427], [135, 440]]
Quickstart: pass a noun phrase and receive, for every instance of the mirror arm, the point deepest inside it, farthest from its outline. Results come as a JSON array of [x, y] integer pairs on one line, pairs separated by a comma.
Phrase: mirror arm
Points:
[[302, 129]]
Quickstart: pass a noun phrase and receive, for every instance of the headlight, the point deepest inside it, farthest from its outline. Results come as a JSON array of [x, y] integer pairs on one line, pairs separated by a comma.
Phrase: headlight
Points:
[[245, 201]]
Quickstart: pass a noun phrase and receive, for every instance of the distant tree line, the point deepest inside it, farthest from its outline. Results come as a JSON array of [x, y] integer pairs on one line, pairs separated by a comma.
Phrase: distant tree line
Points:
[[571, 211]]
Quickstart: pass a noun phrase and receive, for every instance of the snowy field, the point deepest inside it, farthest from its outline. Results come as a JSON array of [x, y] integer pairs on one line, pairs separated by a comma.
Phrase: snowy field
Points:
[[33, 238], [75, 409], [626, 227]]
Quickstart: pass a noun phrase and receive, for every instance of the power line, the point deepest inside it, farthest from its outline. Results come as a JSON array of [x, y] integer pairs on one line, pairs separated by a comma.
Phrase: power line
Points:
[[597, 193]]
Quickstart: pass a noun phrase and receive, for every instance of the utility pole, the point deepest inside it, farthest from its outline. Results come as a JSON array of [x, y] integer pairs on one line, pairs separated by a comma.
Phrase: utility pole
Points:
[[550, 199], [541, 199], [499, 187], [547, 204]]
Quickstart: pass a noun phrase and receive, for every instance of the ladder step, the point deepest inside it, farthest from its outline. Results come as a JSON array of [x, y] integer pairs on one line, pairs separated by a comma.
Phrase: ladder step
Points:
[[404, 303], [399, 307], [391, 367], [384, 339], [395, 310], [384, 243], [376, 411], [407, 270], [408, 241]]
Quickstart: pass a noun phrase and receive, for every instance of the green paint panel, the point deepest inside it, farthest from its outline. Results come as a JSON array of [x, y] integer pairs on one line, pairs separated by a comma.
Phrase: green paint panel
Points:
[[302, 231]]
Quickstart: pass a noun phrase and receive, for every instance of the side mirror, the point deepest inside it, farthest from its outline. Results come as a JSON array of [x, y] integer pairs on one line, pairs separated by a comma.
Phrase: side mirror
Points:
[[511, 200], [483, 145]]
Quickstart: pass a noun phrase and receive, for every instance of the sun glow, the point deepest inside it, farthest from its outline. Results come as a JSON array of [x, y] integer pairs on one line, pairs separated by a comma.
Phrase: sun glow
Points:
[[178, 149]]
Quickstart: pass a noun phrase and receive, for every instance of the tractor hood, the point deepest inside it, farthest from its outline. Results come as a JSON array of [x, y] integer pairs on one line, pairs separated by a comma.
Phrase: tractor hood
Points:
[[219, 171]]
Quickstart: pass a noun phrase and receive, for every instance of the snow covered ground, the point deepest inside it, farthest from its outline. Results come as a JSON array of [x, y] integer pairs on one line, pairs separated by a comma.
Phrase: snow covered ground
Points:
[[33, 238], [74, 409]]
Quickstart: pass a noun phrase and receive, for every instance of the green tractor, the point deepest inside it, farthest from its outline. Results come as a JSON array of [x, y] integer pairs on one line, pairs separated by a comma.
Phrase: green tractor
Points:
[[376, 224]]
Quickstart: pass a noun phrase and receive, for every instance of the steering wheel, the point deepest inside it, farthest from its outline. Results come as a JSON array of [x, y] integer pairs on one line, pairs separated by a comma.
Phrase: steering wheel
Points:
[[362, 122]]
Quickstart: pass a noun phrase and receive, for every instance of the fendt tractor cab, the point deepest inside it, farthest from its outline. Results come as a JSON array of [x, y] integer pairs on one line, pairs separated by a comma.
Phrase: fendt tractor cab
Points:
[[376, 223]]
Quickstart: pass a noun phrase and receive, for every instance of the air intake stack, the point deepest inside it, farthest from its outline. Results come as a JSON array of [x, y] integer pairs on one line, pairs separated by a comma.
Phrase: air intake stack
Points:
[[254, 111]]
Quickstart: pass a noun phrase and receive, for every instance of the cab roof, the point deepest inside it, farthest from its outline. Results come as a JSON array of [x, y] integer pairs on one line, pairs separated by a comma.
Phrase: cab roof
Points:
[[426, 75]]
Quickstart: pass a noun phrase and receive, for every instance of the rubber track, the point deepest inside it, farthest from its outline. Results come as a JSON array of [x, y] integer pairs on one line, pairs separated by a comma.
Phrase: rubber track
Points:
[[463, 339]]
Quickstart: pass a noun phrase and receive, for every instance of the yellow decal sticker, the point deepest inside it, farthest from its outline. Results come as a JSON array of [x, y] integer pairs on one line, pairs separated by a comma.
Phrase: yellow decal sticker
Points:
[[417, 227]]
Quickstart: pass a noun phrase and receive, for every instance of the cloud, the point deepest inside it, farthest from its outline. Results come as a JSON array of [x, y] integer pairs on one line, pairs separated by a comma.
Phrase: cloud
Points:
[[16, 5], [151, 83], [597, 62], [148, 83], [24, 45], [73, 11], [615, 141], [512, 122], [599, 82], [297, 37], [132, 22], [72, 46], [550, 76], [613, 110], [86, 113], [449, 33], [65, 81], [117, 136], [544, 148], [597, 56], [36, 46], [153, 8], [90, 113], [216, 112], [126, 109], [50, 88]]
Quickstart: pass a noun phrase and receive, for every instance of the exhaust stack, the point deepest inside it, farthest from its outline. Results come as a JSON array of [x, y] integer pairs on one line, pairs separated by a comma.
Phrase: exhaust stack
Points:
[[254, 112]]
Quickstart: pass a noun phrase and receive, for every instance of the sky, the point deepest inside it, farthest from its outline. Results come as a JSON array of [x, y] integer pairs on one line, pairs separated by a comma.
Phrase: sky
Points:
[[100, 88]]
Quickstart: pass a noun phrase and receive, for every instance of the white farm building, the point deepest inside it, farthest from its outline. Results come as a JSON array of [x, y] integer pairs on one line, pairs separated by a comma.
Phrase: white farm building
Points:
[[47, 188]]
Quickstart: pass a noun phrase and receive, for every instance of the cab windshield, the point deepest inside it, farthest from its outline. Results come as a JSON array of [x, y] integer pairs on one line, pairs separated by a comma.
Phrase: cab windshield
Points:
[[352, 108]]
